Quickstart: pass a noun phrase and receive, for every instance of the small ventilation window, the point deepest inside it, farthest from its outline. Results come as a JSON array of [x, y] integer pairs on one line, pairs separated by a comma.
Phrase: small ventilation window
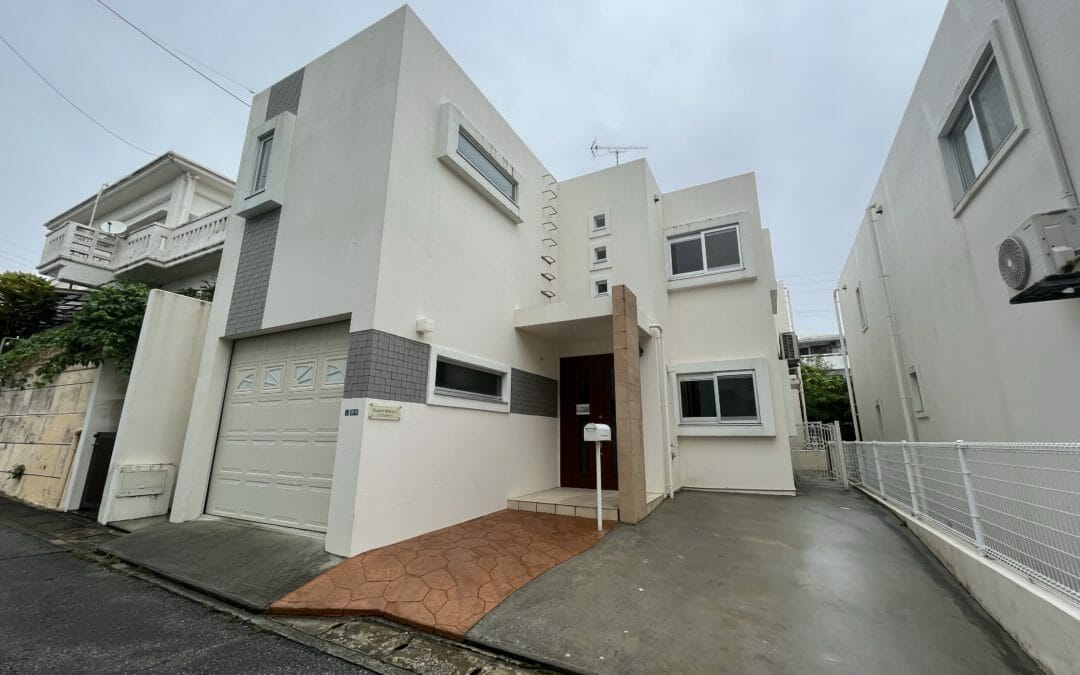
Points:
[[272, 377]]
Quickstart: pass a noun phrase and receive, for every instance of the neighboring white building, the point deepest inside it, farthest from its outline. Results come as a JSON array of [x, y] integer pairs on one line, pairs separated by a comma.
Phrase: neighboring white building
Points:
[[174, 211], [128, 430], [414, 318], [990, 139], [823, 347]]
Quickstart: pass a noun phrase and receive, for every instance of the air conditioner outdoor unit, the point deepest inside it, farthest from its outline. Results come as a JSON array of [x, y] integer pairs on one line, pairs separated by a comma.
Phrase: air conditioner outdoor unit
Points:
[[789, 348], [1041, 260]]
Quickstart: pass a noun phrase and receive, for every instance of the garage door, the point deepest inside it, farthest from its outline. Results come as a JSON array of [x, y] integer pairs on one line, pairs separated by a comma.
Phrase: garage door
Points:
[[275, 447]]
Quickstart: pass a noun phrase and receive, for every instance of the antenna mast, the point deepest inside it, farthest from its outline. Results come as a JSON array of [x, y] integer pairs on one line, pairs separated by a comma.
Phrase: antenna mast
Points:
[[597, 150]]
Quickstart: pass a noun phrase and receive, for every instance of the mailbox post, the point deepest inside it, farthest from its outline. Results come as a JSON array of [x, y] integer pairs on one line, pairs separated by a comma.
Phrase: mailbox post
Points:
[[598, 433]]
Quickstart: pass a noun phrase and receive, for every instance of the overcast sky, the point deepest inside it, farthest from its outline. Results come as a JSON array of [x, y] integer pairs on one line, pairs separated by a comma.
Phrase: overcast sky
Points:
[[807, 94]]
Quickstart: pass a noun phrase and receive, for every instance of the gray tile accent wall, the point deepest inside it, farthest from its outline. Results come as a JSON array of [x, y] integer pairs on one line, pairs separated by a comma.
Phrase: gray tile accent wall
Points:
[[386, 366], [253, 273], [532, 394], [285, 95]]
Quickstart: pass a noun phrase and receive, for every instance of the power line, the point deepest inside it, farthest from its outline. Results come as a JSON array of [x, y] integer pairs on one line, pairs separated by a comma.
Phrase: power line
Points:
[[173, 54], [72, 103]]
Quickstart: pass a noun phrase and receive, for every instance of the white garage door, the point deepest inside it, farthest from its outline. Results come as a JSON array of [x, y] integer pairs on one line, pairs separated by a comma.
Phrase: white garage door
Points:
[[275, 448]]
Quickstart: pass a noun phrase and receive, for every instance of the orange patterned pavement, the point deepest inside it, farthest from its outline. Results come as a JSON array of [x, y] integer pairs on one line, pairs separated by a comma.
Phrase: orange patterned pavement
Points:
[[445, 581]]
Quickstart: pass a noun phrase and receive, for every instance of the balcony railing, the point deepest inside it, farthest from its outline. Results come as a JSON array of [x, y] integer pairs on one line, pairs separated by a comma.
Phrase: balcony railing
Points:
[[153, 244]]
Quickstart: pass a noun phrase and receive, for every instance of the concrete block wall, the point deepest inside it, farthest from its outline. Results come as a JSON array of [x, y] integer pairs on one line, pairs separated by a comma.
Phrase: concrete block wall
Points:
[[253, 273], [386, 366], [38, 428], [532, 394]]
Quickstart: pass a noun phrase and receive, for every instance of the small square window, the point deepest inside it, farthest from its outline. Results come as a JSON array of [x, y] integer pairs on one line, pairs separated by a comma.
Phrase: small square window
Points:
[[303, 375], [601, 288], [335, 372], [599, 222], [600, 254], [272, 378], [246, 382]]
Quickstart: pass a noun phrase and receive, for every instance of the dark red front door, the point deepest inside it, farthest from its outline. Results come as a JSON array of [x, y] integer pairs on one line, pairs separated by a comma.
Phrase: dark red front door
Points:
[[587, 394]]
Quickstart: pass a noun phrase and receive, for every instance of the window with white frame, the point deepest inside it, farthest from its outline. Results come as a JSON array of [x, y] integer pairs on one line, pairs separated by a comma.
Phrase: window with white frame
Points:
[[706, 252], [601, 287], [600, 256], [480, 160], [262, 162], [454, 378], [726, 397], [984, 122], [598, 223], [861, 306]]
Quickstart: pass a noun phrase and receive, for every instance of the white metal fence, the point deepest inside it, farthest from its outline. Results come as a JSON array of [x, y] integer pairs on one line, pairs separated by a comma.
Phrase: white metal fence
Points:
[[1018, 503], [816, 452]]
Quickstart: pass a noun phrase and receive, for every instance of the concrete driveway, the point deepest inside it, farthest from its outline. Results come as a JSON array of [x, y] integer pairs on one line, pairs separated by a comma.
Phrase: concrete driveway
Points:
[[823, 582]]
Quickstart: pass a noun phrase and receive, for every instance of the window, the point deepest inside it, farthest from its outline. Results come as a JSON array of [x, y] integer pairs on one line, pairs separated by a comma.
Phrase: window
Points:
[[480, 160], [984, 122], [917, 405], [601, 288], [262, 162], [246, 385], [718, 398], [599, 222], [861, 306], [272, 377], [335, 372], [304, 375], [706, 252], [459, 379], [600, 255]]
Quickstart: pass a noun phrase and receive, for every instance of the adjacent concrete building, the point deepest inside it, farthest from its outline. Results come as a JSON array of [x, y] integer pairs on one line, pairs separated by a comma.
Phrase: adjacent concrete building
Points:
[[414, 319], [953, 249]]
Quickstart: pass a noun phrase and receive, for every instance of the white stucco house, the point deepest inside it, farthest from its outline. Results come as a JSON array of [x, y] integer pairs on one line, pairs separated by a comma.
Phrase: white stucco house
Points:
[[958, 295], [414, 319]]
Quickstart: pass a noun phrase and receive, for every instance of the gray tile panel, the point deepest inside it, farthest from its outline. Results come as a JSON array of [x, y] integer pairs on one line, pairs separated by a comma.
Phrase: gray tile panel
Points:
[[532, 394], [386, 366], [285, 95], [253, 273]]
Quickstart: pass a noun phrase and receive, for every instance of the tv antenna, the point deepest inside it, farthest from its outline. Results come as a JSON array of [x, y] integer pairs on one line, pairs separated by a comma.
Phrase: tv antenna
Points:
[[596, 149]]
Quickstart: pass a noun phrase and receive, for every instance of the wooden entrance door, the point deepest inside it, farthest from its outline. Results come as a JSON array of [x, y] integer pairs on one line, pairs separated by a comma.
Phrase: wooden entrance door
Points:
[[587, 394]]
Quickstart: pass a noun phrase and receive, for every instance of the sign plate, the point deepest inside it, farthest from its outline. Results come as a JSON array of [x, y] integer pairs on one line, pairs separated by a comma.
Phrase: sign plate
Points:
[[582, 408], [351, 412], [384, 411]]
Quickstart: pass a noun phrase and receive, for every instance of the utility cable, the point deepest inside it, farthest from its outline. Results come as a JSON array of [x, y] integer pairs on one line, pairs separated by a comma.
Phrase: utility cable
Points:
[[173, 54], [72, 103]]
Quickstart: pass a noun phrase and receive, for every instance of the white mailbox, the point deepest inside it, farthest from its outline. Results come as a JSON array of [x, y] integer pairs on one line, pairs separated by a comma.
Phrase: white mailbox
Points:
[[597, 432]]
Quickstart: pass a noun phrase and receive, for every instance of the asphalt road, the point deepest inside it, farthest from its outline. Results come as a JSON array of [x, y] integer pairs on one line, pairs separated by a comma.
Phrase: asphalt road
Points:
[[60, 614]]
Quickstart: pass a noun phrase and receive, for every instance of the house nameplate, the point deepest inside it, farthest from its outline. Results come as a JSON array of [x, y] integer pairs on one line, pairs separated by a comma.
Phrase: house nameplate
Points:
[[384, 411]]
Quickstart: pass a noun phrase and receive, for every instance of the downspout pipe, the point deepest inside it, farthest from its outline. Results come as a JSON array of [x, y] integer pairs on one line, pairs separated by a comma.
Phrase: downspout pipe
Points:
[[1042, 108], [847, 366], [894, 335], [665, 422]]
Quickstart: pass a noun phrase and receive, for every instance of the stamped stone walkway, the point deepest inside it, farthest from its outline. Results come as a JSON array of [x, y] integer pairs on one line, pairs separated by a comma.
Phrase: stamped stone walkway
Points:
[[445, 581]]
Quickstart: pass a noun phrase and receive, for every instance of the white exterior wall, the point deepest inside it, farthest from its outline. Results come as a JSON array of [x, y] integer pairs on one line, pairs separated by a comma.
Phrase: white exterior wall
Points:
[[727, 322], [154, 420], [987, 369]]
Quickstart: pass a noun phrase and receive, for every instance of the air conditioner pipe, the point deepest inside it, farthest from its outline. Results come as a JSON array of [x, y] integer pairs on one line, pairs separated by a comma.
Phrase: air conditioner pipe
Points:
[[662, 382], [894, 334], [847, 366]]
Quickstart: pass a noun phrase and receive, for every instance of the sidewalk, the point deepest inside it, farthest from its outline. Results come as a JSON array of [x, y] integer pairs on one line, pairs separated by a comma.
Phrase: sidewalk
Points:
[[146, 609]]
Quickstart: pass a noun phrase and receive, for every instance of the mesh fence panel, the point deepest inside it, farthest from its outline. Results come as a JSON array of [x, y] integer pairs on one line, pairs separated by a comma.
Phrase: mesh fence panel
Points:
[[1026, 496]]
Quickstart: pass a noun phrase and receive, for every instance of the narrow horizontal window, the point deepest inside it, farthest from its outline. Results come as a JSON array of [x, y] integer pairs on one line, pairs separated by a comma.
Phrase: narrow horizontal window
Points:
[[708, 251], [457, 379], [482, 162]]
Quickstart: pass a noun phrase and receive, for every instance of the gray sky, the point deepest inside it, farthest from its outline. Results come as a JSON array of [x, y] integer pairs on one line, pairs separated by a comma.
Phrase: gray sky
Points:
[[807, 94]]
